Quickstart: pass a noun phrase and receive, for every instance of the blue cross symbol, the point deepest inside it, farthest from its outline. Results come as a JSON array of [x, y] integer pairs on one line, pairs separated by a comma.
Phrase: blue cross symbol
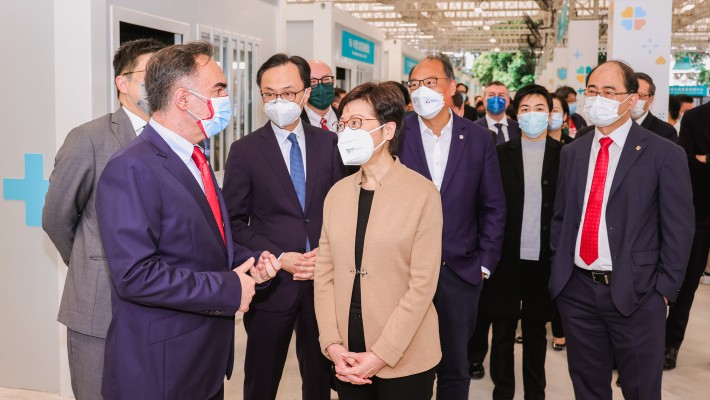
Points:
[[31, 189], [650, 46], [580, 90], [577, 54]]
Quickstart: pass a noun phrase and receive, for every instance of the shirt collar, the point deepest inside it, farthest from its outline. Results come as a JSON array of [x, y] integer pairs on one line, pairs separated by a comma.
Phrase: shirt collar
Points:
[[136, 121], [446, 130], [618, 136], [282, 134], [181, 146], [492, 122], [643, 117], [312, 115]]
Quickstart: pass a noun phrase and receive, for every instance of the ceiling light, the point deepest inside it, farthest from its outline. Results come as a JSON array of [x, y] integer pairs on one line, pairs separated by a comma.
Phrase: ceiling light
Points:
[[407, 24], [492, 40], [486, 28], [497, 49], [426, 36], [478, 10]]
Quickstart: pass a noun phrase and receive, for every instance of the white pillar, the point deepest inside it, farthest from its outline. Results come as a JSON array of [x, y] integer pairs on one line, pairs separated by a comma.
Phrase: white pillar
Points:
[[582, 51], [640, 34]]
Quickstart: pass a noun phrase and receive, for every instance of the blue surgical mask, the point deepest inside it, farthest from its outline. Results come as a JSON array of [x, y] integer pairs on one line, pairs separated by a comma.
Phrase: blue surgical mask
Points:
[[220, 114], [463, 97], [572, 108], [533, 123], [495, 105], [556, 122]]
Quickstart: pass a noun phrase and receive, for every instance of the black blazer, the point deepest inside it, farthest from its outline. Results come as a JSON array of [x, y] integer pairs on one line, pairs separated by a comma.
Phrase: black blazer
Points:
[[307, 121], [469, 112], [660, 128], [578, 120], [502, 292], [695, 140], [513, 128]]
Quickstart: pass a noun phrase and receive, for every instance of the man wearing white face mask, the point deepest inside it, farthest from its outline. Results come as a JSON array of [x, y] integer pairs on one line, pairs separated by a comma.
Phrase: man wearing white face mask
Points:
[[642, 115], [69, 219], [460, 158], [621, 235], [299, 163]]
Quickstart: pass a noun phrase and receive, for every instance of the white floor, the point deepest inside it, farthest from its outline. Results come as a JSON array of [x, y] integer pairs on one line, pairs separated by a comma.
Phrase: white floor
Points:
[[689, 381]]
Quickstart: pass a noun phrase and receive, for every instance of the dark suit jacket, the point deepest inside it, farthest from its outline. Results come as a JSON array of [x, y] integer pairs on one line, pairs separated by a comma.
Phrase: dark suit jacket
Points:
[[263, 206], [660, 128], [471, 195], [578, 120], [513, 128], [307, 121], [174, 292], [584, 131], [503, 291], [695, 139], [470, 112], [649, 217]]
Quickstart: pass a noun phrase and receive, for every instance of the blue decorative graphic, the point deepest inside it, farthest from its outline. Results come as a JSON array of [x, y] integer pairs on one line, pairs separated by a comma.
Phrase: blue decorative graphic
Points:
[[30, 189], [409, 63], [650, 46], [358, 48], [563, 22], [577, 54], [562, 73]]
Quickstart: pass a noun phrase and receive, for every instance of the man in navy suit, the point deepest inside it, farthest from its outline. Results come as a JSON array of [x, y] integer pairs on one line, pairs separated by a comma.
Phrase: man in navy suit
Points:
[[621, 236], [162, 224], [642, 115], [460, 158], [275, 183], [496, 99]]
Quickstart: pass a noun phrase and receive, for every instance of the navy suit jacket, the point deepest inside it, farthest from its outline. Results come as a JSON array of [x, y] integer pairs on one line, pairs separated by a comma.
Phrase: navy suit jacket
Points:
[[649, 217], [513, 128], [471, 195], [263, 206], [660, 128], [695, 139], [174, 292]]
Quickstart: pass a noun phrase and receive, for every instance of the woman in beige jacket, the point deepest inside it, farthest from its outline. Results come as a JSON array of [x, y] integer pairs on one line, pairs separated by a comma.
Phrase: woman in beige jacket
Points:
[[380, 254]]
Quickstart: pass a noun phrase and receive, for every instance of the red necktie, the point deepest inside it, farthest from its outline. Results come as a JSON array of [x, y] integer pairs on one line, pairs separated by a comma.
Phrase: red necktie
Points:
[[589, 246], [210, 192], [324, 124]]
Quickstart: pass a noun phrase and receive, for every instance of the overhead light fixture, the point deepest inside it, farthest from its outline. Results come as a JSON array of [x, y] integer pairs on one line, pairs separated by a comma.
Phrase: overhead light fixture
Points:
[[407, 24], [478, 10], [497, 49], [486, 28], [425, 36], [382, 7], [492, 40]]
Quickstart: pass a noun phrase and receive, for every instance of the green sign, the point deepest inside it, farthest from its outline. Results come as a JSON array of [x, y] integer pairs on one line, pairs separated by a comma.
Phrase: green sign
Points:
[[358, 48]]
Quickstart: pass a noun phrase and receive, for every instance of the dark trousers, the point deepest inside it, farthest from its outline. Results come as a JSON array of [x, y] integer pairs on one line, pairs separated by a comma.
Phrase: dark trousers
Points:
[[456, 303], [557, 330], [478, 345], [268, 337], [679, 311], [596, 333]]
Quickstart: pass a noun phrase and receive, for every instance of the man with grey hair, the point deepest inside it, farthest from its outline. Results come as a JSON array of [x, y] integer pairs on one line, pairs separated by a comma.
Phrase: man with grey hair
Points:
[[69, 216], [167, 240]]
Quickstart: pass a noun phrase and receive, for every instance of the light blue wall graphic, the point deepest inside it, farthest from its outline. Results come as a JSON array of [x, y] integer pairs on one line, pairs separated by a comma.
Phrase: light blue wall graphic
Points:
[[30, 189], [409, 63], [358, 48]]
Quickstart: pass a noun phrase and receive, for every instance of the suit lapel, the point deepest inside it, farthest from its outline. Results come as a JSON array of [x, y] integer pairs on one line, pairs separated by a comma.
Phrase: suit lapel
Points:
[[227, 227], [413, 138], [552, 153], [312, 161], [122, 127], [179, 170], [272, 151], [581, 167], [458, 139], [633, 147], [515, 152]]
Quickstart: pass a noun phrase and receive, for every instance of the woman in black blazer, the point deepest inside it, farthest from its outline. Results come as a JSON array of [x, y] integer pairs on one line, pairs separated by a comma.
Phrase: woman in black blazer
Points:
[[529, 167]]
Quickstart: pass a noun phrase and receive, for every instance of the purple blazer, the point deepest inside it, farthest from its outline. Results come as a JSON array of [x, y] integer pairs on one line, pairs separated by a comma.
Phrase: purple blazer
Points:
[[174, 292], [513, 128], [263, 206], [649, 217], [471, 195]]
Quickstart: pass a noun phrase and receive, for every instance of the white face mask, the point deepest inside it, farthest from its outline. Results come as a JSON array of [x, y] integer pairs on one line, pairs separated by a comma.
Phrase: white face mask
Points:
[[356, 145], [282, 112], [638, 109], [427, 102], [556, 122], [602, 111]]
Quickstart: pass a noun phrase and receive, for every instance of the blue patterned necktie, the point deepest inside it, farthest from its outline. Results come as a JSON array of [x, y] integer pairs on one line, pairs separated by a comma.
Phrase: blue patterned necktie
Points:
[[298, 174], [500, 136]]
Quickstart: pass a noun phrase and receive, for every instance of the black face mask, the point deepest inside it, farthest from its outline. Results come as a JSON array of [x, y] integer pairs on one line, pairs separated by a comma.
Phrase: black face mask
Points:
[[480, 114]]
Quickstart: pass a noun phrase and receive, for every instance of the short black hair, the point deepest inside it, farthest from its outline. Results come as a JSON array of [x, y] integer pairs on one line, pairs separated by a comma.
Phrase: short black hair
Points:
[[457, 98], [563, 102], [462, 84], [279, 59], [126, 56], [387, 104], [405, 92], [673, 106], [168, 67], [496, 83], [445, 62], [530, 90], [479, 103], [649, 80], [684, 98], [339, 91], [565, 91], [630, 82]]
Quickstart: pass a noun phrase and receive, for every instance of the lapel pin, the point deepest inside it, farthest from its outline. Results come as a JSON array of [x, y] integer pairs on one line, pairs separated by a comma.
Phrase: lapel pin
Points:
[[461, 137], [638, 148]]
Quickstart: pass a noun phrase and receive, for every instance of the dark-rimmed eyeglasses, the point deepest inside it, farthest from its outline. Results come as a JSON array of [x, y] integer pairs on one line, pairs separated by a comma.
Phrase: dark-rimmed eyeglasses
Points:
[[607, 94], [288, 96], [428, 82], [326, 80]]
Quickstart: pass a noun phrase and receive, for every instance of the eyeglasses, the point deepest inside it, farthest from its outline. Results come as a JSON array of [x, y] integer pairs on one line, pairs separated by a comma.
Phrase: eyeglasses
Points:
[[288, 96], [607, 94], [643, 96], [352, 123], [326, 80], [428, 82], [129, 73]]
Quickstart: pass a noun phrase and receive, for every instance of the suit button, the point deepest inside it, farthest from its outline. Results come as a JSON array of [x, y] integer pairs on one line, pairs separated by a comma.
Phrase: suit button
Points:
[[307, 220], [544, 228], [544, 182], [545, 205], [302, 250]]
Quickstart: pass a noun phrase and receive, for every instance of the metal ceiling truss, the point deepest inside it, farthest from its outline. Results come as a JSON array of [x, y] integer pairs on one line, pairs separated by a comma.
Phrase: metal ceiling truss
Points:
[[506, 25]]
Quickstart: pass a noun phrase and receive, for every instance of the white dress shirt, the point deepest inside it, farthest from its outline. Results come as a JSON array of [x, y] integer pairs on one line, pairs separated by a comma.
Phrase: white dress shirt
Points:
[[642, 118], [182, 147], [314, 118], [492, 125], [285, 144], [436, 149], [603, 262], [136, 121]]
